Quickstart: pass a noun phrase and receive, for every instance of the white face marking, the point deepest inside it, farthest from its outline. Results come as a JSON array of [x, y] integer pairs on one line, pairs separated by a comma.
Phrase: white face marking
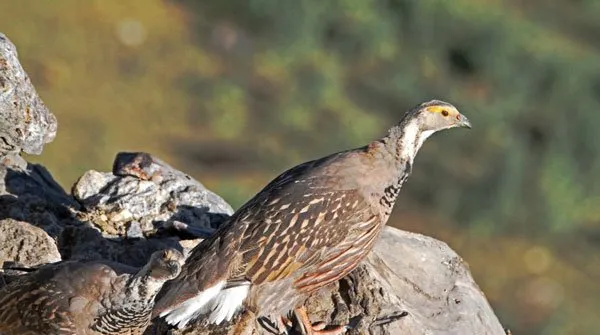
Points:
[[411, 142], [154, 285]]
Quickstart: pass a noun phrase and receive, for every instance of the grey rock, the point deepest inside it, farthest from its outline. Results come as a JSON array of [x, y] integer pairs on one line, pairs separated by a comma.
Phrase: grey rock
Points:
[[142, 188], [34, 180], [427, 279], [85, 243], [30, 194], [134, 230], [25, 245], [188, 230], [25, 122]]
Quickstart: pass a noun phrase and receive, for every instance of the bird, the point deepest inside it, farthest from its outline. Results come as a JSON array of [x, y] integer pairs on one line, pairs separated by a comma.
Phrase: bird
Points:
[[85, 298], [310, 226]]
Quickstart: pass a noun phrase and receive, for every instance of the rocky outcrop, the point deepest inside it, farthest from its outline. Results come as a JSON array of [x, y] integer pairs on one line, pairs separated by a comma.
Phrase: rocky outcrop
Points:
[[410, 284], [144, 194], [26, 122], [24, 244]]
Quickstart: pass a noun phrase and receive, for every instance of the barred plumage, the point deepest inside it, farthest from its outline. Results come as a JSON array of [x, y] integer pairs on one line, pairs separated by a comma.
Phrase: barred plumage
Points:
[[308, 227], [85, 298]]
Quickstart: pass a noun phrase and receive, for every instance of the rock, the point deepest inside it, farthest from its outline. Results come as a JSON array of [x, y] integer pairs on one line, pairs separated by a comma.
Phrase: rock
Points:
[[26, 245], [427, 279], [86, 243], [410, 284], [143, 188], [143, 206], [134, 230], [26, 122], [30, 194]]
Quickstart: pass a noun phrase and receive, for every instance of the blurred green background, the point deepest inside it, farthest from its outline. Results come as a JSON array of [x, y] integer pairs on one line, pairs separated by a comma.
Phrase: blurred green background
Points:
[[233, 92]]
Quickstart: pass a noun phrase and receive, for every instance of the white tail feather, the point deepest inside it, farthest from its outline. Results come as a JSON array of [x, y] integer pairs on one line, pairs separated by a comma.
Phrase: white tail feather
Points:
[[221, 304], [180, 315], [227, 303]]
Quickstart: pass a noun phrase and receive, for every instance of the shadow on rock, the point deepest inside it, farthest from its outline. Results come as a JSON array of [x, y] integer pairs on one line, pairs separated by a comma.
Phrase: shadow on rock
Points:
[[144, 206]]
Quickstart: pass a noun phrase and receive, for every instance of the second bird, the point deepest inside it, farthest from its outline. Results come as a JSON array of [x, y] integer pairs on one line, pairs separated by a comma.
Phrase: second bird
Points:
[[307, 228]]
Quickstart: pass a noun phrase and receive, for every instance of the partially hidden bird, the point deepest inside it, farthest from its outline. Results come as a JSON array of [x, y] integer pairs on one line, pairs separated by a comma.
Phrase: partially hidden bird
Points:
[[309, 227], [85, 298]]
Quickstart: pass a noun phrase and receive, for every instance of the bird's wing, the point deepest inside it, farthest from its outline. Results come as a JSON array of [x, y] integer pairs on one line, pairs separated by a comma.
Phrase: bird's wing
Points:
[[306, 225], [39, 301], [341, 258], [308, 230]]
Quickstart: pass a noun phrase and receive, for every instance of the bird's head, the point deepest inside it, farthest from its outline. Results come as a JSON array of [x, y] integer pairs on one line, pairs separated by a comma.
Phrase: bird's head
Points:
[[436, 115], [421, 122], [165, 264]]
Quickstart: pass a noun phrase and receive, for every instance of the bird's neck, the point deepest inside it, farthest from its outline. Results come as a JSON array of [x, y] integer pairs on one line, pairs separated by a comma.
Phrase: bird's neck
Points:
[[404, 141], [131, 310], [143, 287], [400, 146]]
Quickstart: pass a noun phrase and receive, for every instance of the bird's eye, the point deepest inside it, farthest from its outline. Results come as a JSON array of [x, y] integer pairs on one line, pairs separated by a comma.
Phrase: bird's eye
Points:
[[445, 112]]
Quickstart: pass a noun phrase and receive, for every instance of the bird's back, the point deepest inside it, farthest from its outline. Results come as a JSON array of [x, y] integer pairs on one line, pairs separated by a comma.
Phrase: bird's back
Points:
[[68, 298], [56, 299]]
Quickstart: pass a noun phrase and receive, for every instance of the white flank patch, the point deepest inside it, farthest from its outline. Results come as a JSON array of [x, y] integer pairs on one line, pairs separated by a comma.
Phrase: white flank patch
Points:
[[227, 303], [180, 315]]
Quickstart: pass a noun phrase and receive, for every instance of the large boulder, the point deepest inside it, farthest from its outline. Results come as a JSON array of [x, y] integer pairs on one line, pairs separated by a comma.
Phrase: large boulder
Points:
[[23, 244], [26, 122], [144, 194], [142, 206]]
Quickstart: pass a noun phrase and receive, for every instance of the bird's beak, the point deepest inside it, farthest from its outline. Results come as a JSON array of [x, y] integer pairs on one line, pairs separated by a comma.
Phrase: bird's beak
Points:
[[463, 121]]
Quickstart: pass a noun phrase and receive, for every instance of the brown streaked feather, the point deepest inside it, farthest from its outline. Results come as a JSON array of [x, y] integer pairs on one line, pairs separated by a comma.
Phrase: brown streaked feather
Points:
[[34, 304], [341, 259], [306, 226], [85, 298], [271, 233]]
